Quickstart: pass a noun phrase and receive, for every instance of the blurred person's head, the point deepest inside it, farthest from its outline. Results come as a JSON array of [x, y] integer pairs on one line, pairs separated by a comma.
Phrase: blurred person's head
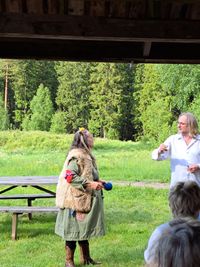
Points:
[[184, 199]]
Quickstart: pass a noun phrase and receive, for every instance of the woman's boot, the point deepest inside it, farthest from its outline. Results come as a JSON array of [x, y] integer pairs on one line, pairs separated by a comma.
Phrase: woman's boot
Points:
[[69, 256], [85, 258]]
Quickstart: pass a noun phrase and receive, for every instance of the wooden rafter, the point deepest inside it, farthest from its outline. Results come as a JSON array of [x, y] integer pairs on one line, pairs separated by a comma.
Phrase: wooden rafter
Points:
[[101, 30]]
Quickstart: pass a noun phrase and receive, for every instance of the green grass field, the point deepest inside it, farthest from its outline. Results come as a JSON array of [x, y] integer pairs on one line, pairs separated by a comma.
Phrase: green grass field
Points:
[[131, 213], [42, 153]]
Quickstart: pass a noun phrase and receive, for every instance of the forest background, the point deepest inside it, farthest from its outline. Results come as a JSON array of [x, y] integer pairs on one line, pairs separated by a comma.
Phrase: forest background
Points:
[[113, 100]]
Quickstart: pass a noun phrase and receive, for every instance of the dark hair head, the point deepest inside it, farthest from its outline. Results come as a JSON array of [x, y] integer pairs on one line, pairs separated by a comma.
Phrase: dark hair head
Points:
[[181, 245], [81, 139], [184, 199]]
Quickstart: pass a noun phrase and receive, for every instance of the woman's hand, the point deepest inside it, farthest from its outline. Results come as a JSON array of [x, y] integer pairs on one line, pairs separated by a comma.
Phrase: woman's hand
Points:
[[102, 181], [95, 185]]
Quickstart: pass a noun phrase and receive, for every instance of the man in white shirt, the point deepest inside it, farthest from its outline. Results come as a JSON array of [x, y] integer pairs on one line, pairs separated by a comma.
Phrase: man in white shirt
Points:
[[184, 201], [183, 149]]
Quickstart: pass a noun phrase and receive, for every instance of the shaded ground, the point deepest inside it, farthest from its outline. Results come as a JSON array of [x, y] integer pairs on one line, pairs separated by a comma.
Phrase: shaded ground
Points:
[[143, 184]]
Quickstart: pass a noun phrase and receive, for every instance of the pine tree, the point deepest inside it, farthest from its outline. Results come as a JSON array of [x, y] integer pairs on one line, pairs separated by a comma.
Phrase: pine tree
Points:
[[127, 127], [6, 88], [41, 108], [73, 93], [106, 98], [4, 120], [25, 77]]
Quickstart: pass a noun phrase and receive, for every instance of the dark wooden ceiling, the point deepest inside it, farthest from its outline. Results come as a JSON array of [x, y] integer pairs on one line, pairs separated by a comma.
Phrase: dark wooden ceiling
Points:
[[101, 30]]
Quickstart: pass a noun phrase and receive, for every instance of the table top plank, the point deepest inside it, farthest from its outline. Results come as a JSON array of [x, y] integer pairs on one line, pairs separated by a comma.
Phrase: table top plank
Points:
[[28, 180]]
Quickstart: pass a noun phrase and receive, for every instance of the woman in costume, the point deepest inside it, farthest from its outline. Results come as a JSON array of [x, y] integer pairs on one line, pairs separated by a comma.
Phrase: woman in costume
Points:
[[80, 199]]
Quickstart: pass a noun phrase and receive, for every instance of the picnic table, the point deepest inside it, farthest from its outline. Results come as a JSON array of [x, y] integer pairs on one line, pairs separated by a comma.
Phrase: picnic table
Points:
[[35, 181], [38, 182]]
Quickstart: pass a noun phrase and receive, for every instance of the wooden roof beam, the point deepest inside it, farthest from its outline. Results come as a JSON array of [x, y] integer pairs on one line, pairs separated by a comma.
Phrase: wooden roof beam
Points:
[[98, 29]]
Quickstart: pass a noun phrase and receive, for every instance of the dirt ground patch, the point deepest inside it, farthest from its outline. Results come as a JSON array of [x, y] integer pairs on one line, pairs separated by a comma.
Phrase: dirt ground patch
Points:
[[143, 184]]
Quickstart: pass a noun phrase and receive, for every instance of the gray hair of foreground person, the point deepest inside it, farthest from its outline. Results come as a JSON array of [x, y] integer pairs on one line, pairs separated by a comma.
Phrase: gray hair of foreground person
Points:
[[180, 247], [191, 123], [184, 199]]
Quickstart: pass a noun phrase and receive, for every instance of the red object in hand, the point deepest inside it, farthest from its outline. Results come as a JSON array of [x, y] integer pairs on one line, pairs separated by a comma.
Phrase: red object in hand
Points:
[[69, 176]]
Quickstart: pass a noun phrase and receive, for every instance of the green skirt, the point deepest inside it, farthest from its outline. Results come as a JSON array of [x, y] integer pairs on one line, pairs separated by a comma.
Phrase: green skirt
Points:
[[73, 226]]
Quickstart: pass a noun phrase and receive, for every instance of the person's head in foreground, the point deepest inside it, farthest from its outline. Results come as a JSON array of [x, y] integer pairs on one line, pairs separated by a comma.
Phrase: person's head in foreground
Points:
[[184, 200], [180, 247]]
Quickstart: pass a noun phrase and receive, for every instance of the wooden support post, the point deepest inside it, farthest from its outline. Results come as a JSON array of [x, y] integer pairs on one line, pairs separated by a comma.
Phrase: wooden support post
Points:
[[14, 226], [29, 205], [147, 49]]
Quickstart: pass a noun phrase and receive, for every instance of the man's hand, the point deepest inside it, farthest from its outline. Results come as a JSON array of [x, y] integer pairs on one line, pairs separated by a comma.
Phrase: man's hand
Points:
[[162, 148], [193, 168]]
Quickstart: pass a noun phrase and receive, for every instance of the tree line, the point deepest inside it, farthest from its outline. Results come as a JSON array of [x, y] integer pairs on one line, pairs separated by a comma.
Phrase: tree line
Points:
[[114, 100]]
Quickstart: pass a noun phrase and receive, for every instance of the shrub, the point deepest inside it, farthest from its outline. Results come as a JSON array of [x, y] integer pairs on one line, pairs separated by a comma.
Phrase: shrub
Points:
[[58, 124]]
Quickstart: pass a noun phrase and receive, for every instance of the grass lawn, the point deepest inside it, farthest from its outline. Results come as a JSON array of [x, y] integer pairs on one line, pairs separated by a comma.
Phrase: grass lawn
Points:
[[131, 214], [42, 153]]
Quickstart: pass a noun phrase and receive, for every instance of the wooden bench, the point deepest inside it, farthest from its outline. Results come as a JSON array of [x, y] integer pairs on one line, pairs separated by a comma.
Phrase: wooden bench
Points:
[[23, 209], [29, 197]]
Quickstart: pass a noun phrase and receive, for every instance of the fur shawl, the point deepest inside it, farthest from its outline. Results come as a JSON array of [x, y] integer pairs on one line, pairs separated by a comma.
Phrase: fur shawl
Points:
[[65, 191]]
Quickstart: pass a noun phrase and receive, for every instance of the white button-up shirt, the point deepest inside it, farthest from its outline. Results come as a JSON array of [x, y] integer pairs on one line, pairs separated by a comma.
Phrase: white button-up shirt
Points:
[[181, 156]]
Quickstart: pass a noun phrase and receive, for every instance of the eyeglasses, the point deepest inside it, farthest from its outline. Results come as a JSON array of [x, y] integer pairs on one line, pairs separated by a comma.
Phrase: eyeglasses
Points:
[[181, 123]]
